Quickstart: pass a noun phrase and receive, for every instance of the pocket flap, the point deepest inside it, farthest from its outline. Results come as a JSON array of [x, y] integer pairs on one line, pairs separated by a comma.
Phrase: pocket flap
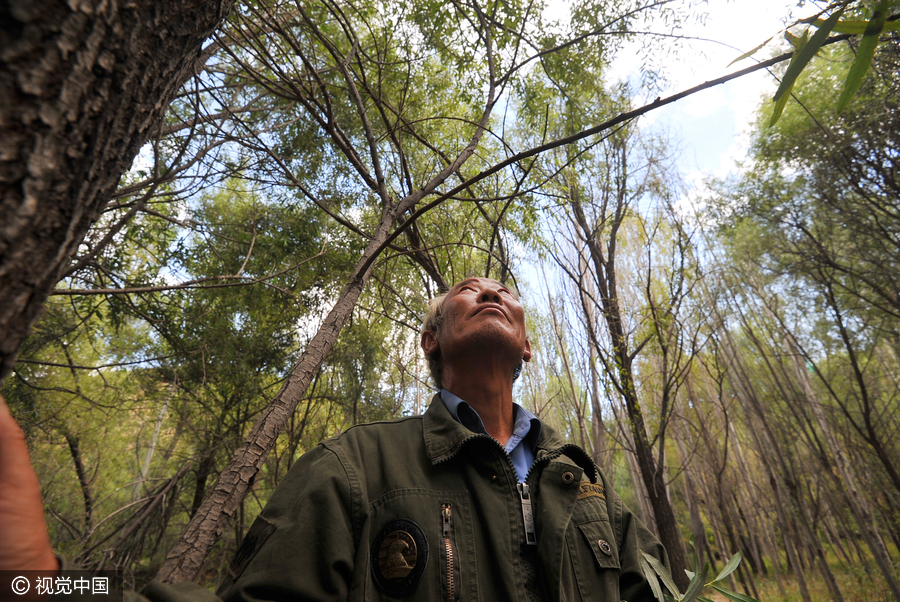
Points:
[[599, 536]]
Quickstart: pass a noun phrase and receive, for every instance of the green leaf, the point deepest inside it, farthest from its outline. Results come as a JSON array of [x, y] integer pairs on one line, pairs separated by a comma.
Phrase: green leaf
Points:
[[702, 599], [857, 28], [696, 561], [852, 27], [797, 41], [736, 597], [729, 567], [696, 585], [650, 576], [747, 55], [779, 108], [864, 55], [803, 55], [690, 574], [662, 572]]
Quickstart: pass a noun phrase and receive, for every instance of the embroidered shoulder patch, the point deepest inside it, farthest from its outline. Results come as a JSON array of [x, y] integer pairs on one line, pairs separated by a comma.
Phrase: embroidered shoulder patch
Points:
[[259, 532], [398, 557], [587, 490]]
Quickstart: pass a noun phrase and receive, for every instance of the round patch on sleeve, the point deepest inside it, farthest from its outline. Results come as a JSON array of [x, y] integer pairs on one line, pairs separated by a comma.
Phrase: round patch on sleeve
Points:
[[398, 557]]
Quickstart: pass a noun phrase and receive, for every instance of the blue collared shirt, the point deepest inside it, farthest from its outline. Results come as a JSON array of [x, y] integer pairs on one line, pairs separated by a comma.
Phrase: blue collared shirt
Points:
[[521, 447]]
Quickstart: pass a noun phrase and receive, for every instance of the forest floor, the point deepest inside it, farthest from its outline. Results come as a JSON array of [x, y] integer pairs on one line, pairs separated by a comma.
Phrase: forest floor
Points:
[[855, 585]]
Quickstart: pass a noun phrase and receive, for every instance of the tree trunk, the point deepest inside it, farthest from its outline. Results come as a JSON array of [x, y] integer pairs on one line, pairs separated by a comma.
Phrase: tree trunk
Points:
[[75, 450], [203, 470], [652, 470], [84, 84], [601, 453], [151, 450], [847, 484], [767, 450], [186, 558]]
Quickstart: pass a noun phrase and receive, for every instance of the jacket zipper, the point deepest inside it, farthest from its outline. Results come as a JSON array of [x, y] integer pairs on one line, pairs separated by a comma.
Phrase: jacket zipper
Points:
[[447, 530], [527, 514], [523, 489]]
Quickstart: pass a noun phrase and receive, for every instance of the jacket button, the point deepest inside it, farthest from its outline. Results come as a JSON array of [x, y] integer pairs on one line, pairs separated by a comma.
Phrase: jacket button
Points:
[[568, 477], [604, 547]]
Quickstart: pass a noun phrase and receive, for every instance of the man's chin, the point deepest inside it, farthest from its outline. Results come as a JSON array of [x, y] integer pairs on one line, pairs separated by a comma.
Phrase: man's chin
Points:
[[491, 341]]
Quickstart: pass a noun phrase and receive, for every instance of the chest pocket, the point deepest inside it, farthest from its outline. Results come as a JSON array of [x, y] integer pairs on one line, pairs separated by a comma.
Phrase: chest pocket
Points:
[[594, 551], [422, 547]]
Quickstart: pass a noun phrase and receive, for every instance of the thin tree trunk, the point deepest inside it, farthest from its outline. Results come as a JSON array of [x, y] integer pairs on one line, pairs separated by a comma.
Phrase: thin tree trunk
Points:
[[692, 501], [765, 447], [203, 470], [570, 377], [602, 454], [743, 494], [775, 555], [644, 506], [849, 487], [186, 558], [151, 450], [75, 450]]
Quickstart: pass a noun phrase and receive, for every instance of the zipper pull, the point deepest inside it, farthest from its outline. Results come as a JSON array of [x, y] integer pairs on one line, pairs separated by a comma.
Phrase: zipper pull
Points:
[[527, 514], [445, 516]]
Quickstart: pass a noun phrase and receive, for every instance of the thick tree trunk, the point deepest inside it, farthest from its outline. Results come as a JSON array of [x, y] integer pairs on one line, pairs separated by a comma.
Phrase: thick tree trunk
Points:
[[84, 84]]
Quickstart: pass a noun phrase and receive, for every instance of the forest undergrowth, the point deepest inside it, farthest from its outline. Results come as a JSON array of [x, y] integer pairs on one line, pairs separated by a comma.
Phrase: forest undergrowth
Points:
[[858, 583]]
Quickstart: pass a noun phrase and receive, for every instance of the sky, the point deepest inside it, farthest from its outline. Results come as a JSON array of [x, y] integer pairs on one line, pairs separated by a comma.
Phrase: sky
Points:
[[712, 126]]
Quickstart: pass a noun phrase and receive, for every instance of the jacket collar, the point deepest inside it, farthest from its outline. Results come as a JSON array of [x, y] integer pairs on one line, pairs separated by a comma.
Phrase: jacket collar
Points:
[[444, 437], [443, 434]]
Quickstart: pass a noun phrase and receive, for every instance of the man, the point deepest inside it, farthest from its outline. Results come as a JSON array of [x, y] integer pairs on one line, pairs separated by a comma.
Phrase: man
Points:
[[474, 500]]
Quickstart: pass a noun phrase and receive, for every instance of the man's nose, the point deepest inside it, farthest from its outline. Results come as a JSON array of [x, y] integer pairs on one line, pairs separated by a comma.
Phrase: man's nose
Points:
[[489, 296]]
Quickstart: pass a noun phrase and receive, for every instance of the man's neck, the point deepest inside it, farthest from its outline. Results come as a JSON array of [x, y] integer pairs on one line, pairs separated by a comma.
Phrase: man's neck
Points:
[[490, 396]]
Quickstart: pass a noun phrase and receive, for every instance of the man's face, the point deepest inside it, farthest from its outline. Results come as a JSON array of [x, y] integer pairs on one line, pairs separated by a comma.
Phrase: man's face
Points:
[[480, 314]]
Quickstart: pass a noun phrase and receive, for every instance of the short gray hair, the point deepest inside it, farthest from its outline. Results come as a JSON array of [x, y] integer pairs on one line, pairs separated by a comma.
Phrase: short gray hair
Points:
[[434, 317]]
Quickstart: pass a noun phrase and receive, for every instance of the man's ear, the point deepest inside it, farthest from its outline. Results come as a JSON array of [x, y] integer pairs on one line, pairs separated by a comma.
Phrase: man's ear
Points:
[[429, 343], [526, 356]]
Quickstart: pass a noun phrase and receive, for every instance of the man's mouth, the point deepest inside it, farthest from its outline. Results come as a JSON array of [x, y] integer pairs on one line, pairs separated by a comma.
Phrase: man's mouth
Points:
[[496, 308]]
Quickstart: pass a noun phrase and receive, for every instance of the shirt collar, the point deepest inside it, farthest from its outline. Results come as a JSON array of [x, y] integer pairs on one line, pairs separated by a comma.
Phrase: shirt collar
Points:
[[526, 426]]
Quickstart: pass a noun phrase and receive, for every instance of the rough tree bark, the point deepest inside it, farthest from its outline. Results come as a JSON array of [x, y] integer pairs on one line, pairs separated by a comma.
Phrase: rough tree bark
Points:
[[84, 84]]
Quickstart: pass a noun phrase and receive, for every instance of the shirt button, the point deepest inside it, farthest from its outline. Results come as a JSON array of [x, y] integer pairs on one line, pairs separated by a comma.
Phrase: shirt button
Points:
[[604, 547], [567, 478]]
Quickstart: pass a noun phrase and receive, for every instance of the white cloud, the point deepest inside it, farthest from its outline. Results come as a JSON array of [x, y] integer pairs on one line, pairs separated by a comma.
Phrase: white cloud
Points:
[[706, 102]]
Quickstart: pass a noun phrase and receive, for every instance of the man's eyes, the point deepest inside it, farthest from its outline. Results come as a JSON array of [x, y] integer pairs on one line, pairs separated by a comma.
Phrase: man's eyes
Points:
[[467, 287]]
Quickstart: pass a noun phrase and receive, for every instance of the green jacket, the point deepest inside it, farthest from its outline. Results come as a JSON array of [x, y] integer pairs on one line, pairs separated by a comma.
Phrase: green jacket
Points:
[[423, 509]]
